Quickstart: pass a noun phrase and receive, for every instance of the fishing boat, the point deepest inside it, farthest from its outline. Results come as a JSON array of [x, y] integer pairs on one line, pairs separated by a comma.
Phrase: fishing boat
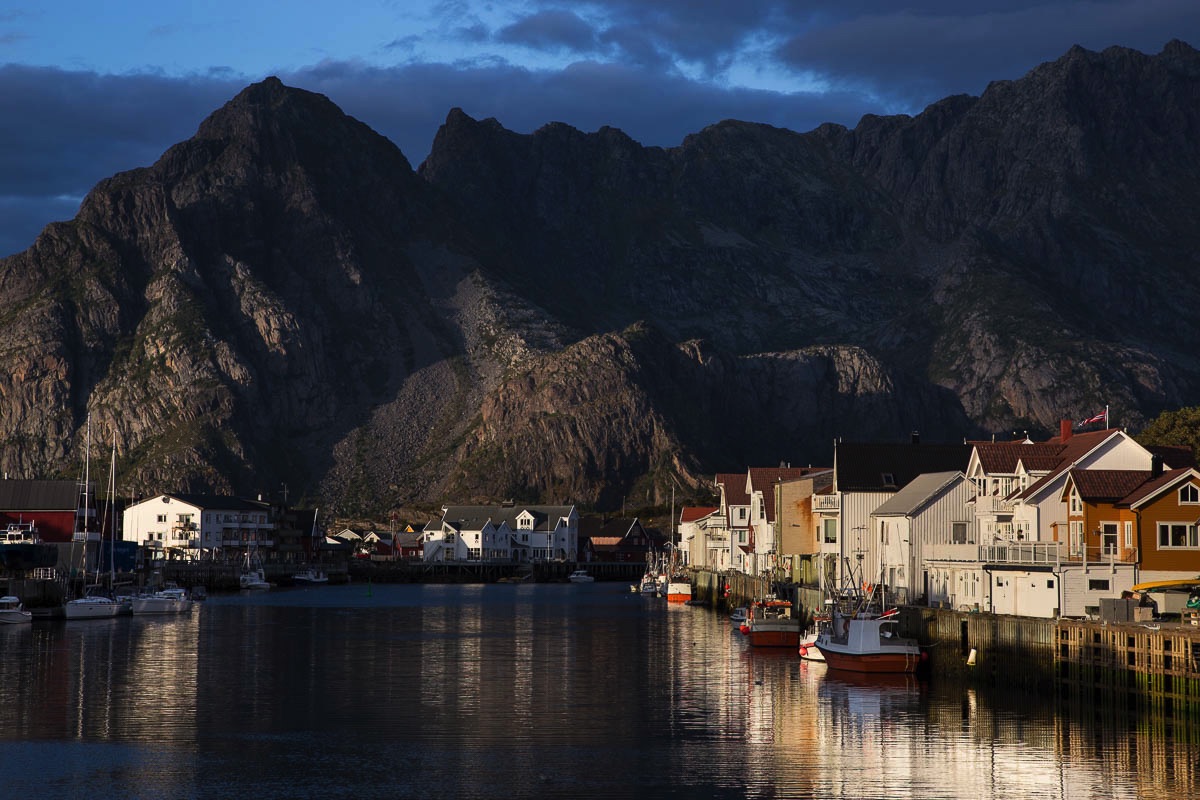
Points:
[[12, 612], [679, 589], [22, 549], [863, 635], [769, 623], [580, 576], [311, 576], [170, 600], [253, 576]]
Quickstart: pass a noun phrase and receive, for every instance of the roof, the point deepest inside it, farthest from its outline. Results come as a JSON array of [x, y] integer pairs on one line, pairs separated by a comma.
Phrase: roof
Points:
[[473, 518], [762, 479], [1076, 448], [693, 513], [38, 495], [1000, 458], [735, 488], [868, 467], [918, 493], [217, 501], [1152, 487], [615, 528], [1107, 485]]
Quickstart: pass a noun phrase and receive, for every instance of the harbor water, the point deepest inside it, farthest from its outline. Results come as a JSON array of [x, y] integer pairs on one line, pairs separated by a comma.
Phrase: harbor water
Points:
[[525, 690]]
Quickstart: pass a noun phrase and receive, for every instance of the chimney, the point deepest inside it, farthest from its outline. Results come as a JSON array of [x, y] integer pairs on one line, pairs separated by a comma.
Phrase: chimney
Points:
[[1156, 466], [1064, 430], [916, 437]]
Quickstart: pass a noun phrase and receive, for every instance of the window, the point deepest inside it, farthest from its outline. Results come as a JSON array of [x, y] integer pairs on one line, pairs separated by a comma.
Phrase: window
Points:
[[1128, 535], [1076, 503], [1189, 495], [958, 533], [889, 479], [473, 553], [830, 531], [1050, 583], [1176, 534], [1076, 538], [161, 518], [742, 514], [1098, 585], [1108, 538]]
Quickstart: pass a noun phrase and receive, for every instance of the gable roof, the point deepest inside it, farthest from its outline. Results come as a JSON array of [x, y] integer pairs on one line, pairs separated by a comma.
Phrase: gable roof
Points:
[[694, 513], [219, 502], [38, 495], [1000, 458], [1152, 488], [763, 479], [1106, 485], [734, 484], [1076, 448], [919, 492], [473, 518], [866, 467]]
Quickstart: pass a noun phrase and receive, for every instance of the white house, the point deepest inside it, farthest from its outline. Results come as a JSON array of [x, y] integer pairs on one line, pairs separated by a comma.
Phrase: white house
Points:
[[865, 476], [503, 533], [931, 513], [702, 533], [735, 508], [196, 526]]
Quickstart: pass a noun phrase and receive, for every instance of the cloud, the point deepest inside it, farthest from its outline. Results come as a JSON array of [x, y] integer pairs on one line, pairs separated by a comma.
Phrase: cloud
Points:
[[924, 52], [552, 29]]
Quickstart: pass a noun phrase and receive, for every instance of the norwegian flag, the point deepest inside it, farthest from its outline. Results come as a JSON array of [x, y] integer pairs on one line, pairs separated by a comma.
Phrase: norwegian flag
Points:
[[1101, 417]]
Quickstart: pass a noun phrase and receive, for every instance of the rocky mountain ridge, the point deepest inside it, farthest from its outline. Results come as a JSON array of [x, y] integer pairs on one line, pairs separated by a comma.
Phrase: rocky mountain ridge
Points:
[[565, 316]]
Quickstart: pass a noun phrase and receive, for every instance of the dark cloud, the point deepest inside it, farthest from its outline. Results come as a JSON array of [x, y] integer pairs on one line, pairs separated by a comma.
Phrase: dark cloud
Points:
[[62, 132], [552, 29], [916, 55]]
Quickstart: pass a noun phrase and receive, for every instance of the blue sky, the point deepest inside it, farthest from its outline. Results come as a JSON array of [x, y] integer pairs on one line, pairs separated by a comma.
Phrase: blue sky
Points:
[[88, 89]]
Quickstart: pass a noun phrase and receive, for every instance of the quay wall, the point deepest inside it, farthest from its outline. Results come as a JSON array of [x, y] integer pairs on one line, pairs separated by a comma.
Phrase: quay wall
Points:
[[1155, 664]]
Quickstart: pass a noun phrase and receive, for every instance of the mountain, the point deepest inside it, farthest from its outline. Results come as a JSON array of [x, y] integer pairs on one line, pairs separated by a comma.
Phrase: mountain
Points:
[[283, 301]]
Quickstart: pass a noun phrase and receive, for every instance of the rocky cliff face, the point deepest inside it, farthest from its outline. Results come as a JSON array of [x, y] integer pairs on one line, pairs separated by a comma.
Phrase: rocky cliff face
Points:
[[282, 299]]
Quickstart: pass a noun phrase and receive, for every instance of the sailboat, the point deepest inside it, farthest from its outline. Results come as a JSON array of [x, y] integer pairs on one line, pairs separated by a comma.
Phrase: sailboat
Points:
[[97, 602], [253, 576]]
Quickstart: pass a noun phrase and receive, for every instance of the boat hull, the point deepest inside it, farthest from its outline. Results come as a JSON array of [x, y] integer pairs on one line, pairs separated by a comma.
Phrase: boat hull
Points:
[[773, 636], [160, 605], [809, 650], [91, 609], [903, 661], [13, 617], [678, 592]]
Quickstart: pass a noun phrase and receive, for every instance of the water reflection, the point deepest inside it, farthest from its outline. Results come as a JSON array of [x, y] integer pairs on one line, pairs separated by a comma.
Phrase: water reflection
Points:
[[521, 691]]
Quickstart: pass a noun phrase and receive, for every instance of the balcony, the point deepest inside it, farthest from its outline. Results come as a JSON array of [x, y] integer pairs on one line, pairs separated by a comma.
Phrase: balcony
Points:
[[826, 502], [1023, 553], [992, 504]]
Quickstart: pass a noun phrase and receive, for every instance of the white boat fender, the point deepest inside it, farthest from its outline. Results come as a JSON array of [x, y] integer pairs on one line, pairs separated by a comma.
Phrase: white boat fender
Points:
[[971, 658]]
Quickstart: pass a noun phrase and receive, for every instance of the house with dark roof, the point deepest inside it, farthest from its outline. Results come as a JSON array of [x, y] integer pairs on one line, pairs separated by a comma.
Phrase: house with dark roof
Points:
[[735, 508], [505, 533], [621, 539], [1037, 554], [55, 508], [1150, 518], [761, 488], [199, 526], [866, 475]]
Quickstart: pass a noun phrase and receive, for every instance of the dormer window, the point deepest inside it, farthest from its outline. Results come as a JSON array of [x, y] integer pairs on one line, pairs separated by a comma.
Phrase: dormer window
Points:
[[1076, 503], [888, 479], [1189, 494]]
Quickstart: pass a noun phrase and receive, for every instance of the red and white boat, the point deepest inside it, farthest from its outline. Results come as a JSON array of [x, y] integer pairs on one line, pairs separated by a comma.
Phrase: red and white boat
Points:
[[808, 641], [769, 623], [862, 637]]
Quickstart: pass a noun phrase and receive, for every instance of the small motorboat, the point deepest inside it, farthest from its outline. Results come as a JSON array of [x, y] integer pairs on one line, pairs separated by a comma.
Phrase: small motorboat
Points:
[[13, 612], [738, 616], [580, 576], [311, 576]]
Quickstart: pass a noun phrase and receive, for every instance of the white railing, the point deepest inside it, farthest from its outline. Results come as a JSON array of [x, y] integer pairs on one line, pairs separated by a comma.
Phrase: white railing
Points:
[[1023, 553], [826, 502], [992, 504]]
